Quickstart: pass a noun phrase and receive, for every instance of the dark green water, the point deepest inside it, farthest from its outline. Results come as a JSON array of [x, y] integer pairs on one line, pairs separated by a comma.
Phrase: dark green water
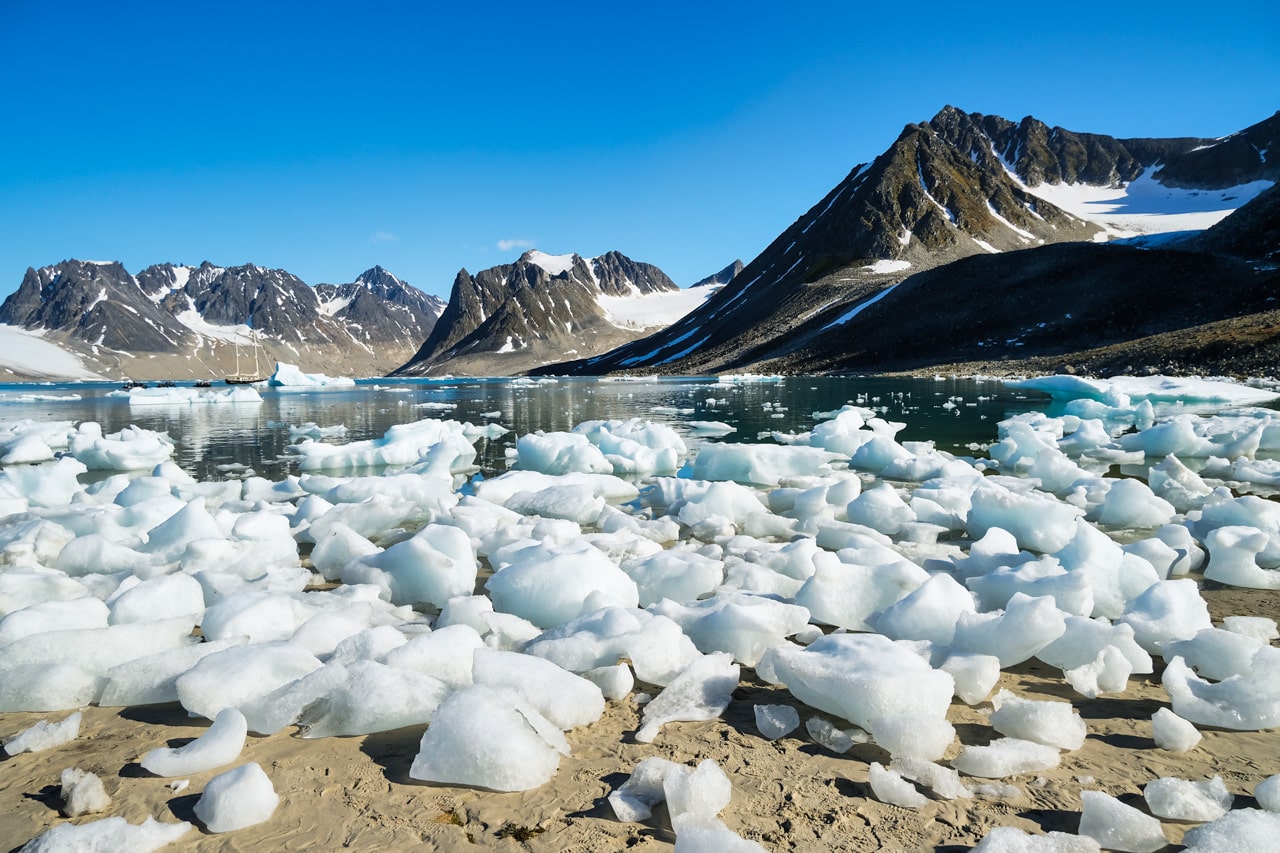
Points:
[[257, 435]]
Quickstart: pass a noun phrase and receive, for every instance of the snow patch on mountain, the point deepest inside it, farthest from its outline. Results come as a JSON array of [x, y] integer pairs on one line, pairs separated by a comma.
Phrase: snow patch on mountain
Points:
[[652, 310], [28, 354], [553, 264], [1145, 206]]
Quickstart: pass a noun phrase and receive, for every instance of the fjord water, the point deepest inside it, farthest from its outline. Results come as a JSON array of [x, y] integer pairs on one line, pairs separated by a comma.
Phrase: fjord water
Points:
[[219, 441]]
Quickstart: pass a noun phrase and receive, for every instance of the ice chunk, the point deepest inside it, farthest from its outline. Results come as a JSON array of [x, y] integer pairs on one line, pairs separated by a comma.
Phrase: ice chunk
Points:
[[859, 677], [445, 653], [912, 736], [1216, 654], [614, 681], [112, 833], [1261, 628], [1180, 799], [694, 798], [1237, 830], [560, 453], [1167, 611], [634, 799], [549, 588], [848, 595], [880, 509], [47, 687], [82, 793], [575, 502], [701, 691], [775, 721], [943, 781], [1119, 827], [1267, 793], [1037, 522], [53, 615], [828, 736], [260, 615], [1006, 757], [1172, 732], [1010, 839], [1107, 673], [236, 799], [98, 649], [1247, 702], [1131, 503], [679, 575], [153, 679], [220, 744], [44, 735], [1051, 723], [741, 624], [1233, 552], [489, 737], [435, 564], [372, 697], [236, 676], [657, 648], [890, 787], [163, 597], [1017, 633], [974, 675], [567, 700], [760, 464], [927, 613]]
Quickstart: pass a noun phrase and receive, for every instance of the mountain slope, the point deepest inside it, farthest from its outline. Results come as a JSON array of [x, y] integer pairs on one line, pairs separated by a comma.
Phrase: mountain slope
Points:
[[512, 317], [174, 321], [959, 185]]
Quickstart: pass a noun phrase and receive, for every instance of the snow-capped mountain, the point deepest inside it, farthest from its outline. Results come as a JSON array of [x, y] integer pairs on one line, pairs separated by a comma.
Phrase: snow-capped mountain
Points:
[[548, 308], [957, 186], [177, 321]]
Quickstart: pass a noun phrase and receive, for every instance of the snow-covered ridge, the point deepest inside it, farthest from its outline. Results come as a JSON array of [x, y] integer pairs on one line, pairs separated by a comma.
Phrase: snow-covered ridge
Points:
[[553, 264]]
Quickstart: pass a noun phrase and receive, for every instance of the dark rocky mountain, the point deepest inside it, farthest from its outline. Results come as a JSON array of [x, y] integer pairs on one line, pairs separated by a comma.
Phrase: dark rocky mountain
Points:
[[722, 277], [379, 308], [957, 186], [98, 304], [174, 321], [512, 317]]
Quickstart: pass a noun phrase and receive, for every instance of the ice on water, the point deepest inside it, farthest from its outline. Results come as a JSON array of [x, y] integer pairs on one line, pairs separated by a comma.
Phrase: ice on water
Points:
[[870, 579]]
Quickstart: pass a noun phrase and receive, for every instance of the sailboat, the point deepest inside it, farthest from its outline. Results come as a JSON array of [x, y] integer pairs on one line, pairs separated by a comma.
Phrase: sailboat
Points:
[[239, 378]]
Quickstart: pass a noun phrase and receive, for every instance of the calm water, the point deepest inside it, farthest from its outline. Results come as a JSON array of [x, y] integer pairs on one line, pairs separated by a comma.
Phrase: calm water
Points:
[[212, 440]]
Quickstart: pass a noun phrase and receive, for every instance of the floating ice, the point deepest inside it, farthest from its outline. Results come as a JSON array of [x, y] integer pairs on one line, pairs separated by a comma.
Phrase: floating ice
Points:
[[1117, 826], [760, 464], [131, 449], [220, 744], [1180, 799], [236, 799], [82, 793], [44, 735], [290, 376], [489, 737]]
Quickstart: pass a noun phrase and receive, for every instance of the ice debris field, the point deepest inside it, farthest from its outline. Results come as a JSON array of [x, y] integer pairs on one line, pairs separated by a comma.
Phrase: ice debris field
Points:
[[880, 584]]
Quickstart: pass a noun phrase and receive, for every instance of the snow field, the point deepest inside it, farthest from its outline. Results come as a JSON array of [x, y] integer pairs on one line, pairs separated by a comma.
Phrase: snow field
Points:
[[874, 581]]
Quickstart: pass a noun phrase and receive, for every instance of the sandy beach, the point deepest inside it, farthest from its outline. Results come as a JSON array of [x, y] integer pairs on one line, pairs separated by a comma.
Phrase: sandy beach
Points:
[[354, 793]]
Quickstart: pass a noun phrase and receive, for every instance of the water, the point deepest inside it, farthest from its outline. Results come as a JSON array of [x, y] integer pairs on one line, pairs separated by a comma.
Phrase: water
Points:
[[220, 441]]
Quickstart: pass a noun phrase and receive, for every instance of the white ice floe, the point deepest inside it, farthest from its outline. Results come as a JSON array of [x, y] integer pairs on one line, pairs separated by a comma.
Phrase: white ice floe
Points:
[[289, 376]]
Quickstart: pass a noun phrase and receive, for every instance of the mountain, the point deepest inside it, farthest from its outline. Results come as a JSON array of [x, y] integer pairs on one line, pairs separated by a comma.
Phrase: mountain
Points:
[[513, 317], [961, 185], [721, 278], [172, 321]]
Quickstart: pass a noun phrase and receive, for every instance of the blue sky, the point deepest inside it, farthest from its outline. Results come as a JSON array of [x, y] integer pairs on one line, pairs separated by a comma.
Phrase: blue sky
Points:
[[324, 138]]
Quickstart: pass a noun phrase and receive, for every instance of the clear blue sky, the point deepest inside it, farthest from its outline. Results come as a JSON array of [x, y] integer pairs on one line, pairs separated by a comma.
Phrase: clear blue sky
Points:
[[425, 137]]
